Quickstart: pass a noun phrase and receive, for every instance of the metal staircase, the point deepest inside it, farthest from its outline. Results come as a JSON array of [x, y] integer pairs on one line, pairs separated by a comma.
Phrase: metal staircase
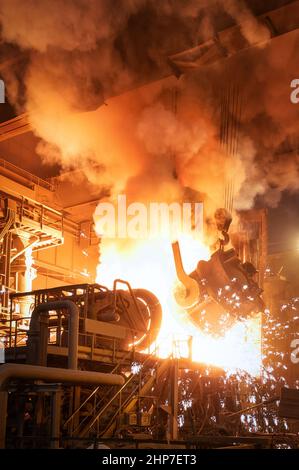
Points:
[[105, 411]]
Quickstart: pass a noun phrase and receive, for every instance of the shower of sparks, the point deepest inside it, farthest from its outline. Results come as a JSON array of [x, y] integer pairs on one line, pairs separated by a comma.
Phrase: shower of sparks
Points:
[[241, 390]]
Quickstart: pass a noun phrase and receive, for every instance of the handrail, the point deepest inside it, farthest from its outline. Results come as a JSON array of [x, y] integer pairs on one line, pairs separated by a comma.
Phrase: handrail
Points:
[[26, 174], [123, 404], [107, 392], [61, 288], [53, 218], [96, 389], [12, 325], [21, 198], [126, 283], [121, 389]]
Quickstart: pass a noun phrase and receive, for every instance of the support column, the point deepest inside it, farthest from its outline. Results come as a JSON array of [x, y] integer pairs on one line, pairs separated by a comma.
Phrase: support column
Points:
[[56, 417], [6, 265], [77, 401], [3, 418], [24, 270], [174, 398]]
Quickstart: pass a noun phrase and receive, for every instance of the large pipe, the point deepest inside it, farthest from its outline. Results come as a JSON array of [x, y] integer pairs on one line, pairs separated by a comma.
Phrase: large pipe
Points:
[[55, 374], [38, 331]]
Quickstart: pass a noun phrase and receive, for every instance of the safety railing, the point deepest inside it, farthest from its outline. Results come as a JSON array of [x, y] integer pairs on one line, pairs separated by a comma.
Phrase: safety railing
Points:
[[142, 374], [44, 216], [15, 330], [41, 215], [71, 418], [32, 179]]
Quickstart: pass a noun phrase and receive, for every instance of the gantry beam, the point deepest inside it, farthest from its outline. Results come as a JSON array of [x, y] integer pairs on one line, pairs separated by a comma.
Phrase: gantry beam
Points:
[[230, 41], [223, 45]]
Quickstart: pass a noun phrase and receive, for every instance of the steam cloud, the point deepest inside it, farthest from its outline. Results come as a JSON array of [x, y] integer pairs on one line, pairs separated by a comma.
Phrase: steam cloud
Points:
[[80, 53]]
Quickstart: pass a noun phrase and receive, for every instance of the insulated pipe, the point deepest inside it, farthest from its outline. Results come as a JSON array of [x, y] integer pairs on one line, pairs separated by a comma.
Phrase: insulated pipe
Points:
[[37, 342], [53, 374]]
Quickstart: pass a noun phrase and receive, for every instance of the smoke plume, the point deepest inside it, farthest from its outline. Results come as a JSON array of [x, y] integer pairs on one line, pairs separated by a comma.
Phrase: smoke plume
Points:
[[150, 142]]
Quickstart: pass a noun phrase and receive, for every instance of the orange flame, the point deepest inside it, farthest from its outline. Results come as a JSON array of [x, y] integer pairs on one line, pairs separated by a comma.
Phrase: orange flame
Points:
[[149, 264]]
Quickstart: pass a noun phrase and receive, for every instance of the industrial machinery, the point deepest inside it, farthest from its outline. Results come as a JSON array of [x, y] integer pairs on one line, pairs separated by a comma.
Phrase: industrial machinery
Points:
[[221, 290], [82, 366], [132, 317], [83, 339]]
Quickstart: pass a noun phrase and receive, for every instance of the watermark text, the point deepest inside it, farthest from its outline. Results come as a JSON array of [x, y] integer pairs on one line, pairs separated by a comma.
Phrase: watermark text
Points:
[[152, 220]]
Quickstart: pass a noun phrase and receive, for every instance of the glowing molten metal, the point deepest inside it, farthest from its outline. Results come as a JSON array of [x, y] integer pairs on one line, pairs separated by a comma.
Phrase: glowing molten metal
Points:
[[150, 264]]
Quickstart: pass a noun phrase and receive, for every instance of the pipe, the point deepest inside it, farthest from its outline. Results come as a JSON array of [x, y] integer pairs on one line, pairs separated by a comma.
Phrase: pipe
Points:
[[55, 374], [9, 220], [37, 339], [47, 374]]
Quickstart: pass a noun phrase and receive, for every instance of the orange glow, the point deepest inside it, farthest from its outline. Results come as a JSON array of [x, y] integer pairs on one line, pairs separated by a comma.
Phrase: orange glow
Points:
[[149, 264], [30, 272]]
